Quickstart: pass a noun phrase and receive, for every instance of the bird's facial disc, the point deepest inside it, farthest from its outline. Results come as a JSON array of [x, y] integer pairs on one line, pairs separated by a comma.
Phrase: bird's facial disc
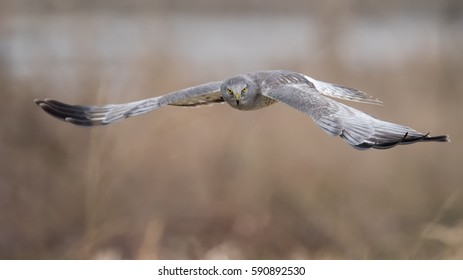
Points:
[[237, 92]]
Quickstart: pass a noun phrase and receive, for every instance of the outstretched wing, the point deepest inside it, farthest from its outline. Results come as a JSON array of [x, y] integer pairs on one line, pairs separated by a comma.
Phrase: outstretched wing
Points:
[[101, 115], [357, 128]]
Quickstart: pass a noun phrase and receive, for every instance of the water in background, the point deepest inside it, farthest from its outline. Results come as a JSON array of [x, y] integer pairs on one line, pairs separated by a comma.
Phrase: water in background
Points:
[[214, 43]]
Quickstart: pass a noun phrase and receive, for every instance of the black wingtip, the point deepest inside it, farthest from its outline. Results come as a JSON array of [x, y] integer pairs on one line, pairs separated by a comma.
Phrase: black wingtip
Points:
[[74, 114], [439, 138], [406, 139]]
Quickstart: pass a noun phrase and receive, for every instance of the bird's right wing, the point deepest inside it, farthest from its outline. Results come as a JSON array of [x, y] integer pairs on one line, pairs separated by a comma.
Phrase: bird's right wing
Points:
[[208, 93]]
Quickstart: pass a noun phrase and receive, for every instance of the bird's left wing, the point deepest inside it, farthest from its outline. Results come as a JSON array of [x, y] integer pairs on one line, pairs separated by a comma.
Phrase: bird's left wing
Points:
[[208, 93], [342, 92], [357, 128]]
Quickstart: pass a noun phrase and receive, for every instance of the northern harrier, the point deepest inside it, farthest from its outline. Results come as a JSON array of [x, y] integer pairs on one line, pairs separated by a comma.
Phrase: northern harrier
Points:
[[258, 90]]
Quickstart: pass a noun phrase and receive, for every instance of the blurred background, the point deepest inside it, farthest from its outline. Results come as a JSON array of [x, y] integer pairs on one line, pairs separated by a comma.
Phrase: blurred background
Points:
[[213, 182]]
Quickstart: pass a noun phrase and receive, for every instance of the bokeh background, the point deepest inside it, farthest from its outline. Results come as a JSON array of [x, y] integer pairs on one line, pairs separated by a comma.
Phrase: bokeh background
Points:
[[213, 182]]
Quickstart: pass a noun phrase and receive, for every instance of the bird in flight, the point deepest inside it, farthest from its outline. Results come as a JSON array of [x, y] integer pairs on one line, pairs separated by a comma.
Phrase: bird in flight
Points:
[[257, 90]]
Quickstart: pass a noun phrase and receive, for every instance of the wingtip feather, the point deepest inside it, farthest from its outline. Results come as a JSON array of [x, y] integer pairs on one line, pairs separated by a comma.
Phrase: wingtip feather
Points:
[[406, 139]]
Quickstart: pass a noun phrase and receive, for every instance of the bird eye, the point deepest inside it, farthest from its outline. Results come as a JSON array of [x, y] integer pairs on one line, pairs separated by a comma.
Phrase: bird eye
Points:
[[244, 90], [230, 91]]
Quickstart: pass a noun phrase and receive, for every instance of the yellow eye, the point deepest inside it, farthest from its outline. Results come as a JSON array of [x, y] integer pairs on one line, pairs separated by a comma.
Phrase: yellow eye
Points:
[[230, 91], [244, 90]]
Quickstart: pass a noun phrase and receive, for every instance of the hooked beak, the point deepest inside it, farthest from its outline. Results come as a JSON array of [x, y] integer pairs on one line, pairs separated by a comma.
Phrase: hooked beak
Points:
[[237, 98]]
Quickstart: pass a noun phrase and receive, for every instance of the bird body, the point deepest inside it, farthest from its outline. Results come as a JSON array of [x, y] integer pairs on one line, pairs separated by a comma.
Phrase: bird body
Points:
[[261, 89]]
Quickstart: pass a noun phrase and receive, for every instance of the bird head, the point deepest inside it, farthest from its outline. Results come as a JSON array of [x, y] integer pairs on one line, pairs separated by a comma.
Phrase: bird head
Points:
[[239, 92]]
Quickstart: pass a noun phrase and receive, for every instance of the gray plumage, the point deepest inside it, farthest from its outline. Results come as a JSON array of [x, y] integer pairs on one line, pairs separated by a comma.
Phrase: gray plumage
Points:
[[258, 90]]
